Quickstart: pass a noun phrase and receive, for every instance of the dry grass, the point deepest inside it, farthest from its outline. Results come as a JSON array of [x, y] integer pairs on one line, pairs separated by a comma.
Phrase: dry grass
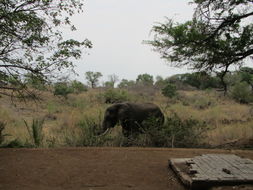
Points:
[[227, 119]]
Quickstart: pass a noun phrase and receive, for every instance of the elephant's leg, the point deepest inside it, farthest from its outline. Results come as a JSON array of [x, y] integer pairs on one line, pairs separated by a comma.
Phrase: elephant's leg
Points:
[[126, 133], [126, 129]]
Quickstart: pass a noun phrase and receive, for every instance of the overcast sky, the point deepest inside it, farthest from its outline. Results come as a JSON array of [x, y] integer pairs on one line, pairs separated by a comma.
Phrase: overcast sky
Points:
[[117, 29]]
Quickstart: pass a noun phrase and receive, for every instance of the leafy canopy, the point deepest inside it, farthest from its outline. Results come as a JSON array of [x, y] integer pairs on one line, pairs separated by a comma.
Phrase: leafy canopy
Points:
[[31, 41], [219, 35], [93, 78], [145, 79]]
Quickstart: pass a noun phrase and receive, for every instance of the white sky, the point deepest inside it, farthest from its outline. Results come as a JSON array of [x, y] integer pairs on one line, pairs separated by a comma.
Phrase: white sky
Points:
[[117, 29]]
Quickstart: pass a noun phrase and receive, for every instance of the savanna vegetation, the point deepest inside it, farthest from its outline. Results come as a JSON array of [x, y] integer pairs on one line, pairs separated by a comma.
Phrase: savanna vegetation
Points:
[[197, 113], [40, 107]]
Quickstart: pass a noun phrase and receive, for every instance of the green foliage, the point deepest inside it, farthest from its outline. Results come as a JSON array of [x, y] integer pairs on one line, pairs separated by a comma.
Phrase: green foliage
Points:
[[109, 84], [160, 82], [182, 133], [78, 87], [126, 83], [145, 79], [16, 143], [149, 135], [93, 78], [31, 43], [169, 90], [35, 131], [35, 81], [62, 89], [89, 130], [87, 135], [217, 37], [115, 96], [246, 74], [200, 80], [175, 132], [242, 93]]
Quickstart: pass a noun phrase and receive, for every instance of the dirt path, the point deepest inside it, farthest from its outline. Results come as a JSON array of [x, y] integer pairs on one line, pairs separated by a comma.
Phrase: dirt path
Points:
[[94, 168]]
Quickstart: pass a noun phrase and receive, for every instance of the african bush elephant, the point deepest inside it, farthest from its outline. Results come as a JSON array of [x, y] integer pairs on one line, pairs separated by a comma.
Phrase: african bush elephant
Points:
[[131, 116]]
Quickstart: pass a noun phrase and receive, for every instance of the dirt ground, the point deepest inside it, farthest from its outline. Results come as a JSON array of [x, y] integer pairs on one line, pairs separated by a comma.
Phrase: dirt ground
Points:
[[96, 168]]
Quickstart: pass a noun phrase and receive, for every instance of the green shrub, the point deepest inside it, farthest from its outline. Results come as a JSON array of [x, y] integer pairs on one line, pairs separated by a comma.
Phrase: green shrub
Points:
[[62, 89], [169, 90], [78, 87], [242, 93], [16, 143], [183, 133], [174, 133], [115, 96], [87, 134], [148, 136]]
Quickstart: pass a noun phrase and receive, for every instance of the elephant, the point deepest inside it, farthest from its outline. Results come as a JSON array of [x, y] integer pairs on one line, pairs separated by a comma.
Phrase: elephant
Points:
[[131, 116]]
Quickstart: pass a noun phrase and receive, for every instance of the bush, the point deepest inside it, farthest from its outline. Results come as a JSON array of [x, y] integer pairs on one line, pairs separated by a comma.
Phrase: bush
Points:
[[62, 89], [115, 96], [149, 135], [242, 93], [87, 134], [183, 133], [78, 87], [169, 90], [174, 133], [16, 143]]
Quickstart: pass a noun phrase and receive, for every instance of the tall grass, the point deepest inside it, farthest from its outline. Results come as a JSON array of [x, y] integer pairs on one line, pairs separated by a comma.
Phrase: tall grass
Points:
[[35, 131], [2, 135]]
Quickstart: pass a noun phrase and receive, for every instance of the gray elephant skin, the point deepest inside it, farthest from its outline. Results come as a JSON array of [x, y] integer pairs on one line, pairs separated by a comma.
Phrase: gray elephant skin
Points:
[[131, 116]]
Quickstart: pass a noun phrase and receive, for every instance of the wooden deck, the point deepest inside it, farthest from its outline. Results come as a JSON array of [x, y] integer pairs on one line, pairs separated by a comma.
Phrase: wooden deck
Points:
[[213, 169]]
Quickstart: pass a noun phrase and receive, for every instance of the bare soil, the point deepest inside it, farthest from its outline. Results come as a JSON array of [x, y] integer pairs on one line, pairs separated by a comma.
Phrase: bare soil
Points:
[[96, 168]]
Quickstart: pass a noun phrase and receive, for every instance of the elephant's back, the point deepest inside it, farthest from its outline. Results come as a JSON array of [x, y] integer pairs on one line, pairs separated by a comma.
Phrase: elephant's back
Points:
[[145, 109]]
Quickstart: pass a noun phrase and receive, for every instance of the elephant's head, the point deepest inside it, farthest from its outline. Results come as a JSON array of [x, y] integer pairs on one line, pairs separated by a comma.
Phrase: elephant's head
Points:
[[111, 117]]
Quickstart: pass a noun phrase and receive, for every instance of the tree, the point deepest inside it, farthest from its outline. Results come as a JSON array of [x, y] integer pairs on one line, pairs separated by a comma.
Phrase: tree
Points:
[[93, 78], [219, 35], [31, 42], [113, 79], [35, 81], [108, 84], [145, 79], [160, 82], [126, 83]]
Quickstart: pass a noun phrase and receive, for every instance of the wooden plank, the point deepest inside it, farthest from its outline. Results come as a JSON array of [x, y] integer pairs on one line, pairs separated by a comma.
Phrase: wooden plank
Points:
[[213, 169]]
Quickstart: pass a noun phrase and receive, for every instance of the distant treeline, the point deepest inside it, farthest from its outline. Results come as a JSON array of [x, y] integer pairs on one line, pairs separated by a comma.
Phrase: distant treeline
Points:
[[237, 84]]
